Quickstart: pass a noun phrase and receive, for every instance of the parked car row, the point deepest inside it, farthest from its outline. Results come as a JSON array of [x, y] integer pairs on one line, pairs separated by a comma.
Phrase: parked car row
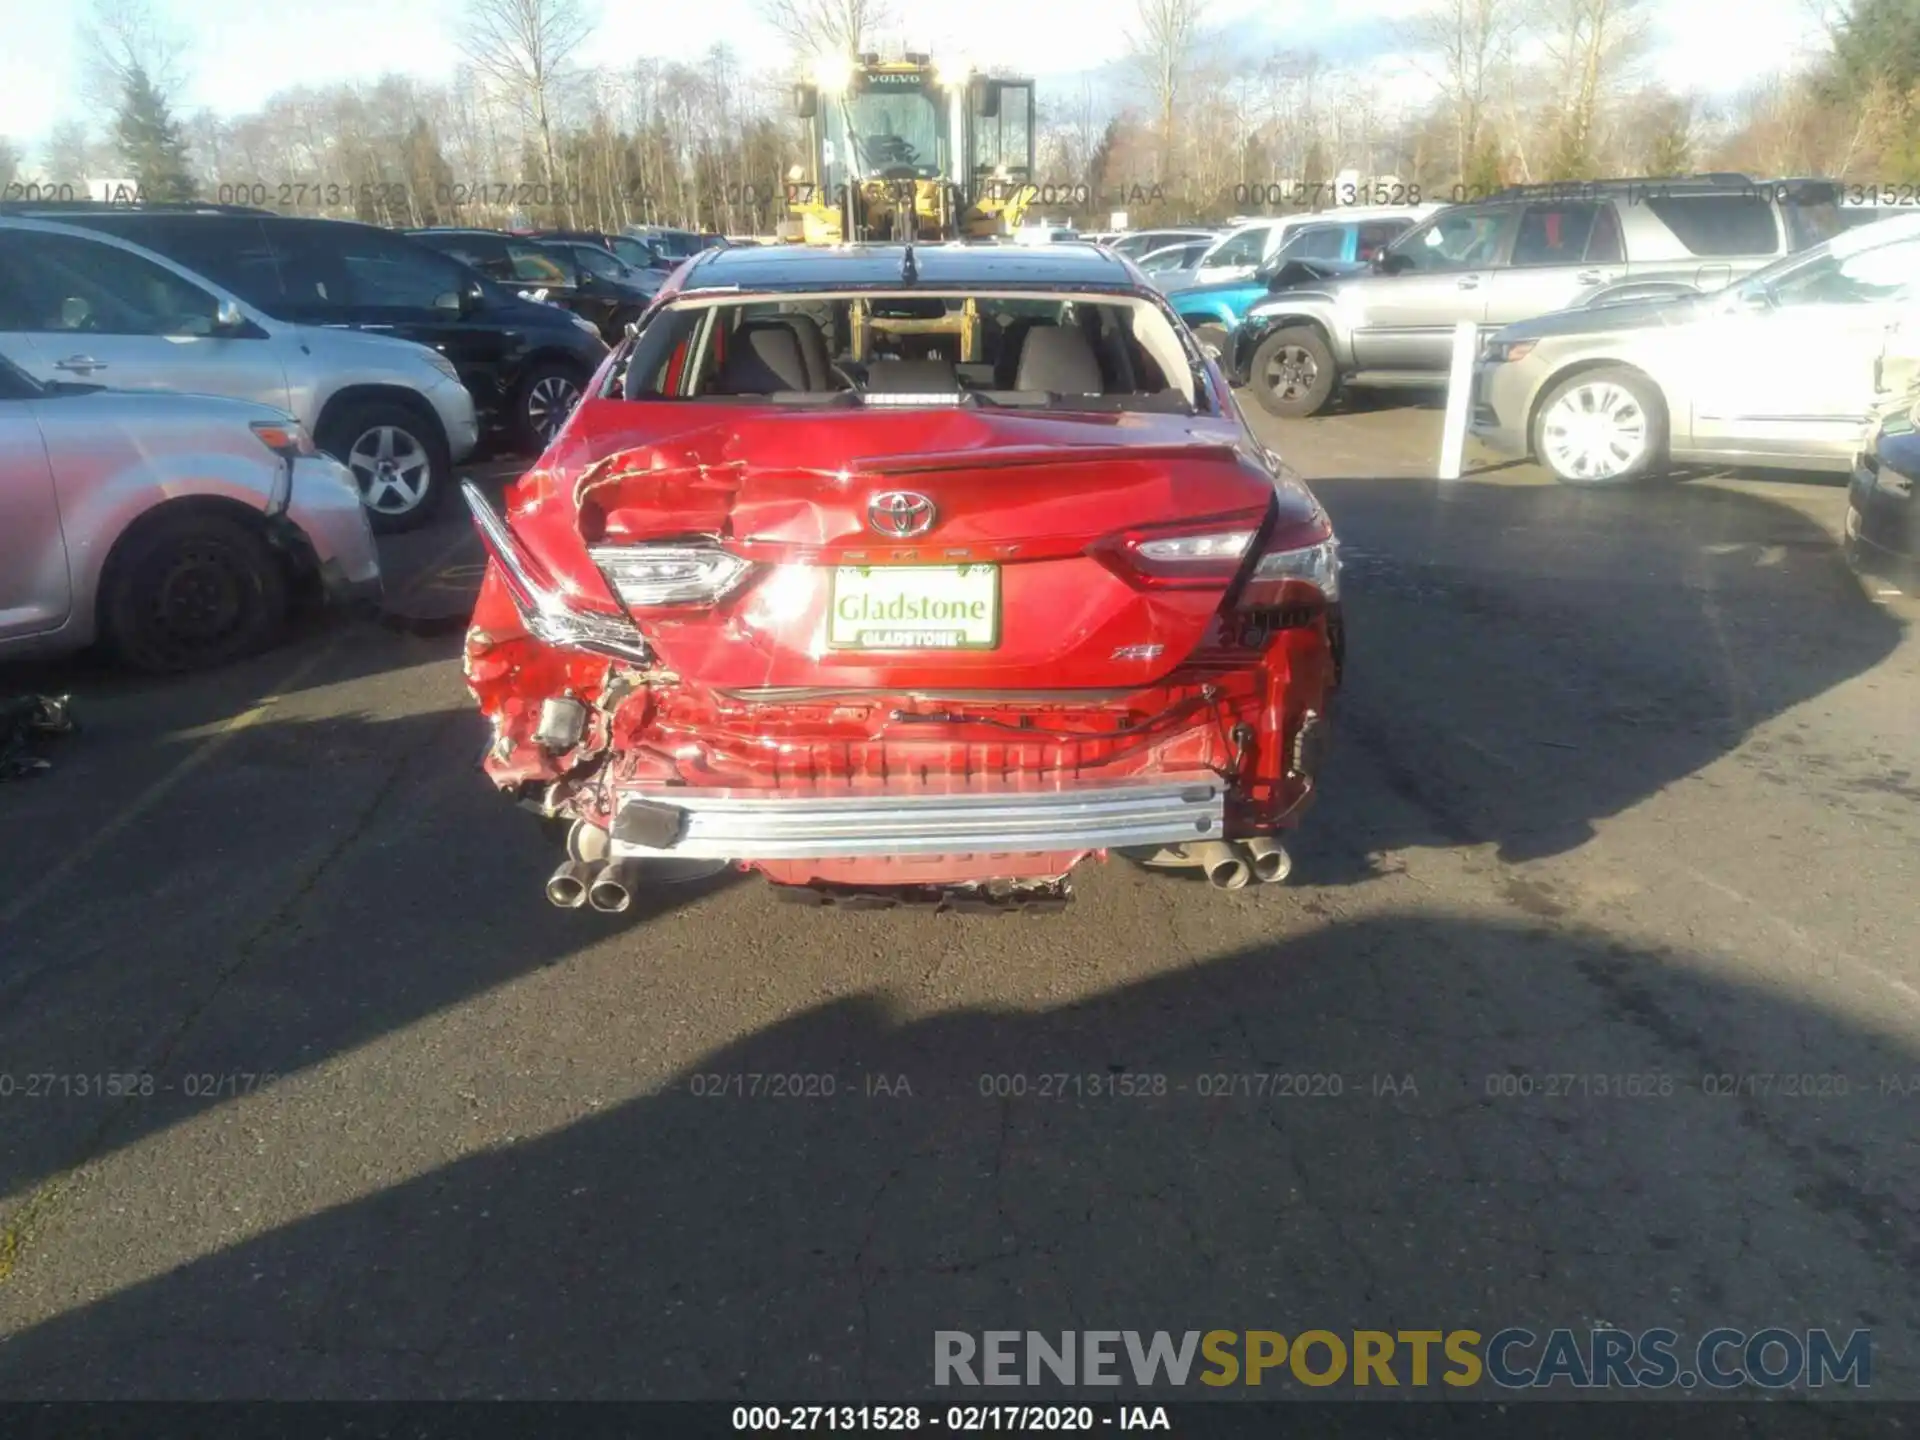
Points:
[[398, 359]]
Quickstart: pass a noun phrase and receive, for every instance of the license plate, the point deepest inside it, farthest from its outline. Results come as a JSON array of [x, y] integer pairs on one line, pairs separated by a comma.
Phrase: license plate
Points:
[[914, 607]]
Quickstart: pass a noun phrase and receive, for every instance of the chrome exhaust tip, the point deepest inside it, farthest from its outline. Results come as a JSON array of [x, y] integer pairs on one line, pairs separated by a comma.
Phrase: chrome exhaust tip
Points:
[[568, 885], [1271, 863], [1226, 868], [611, 892]]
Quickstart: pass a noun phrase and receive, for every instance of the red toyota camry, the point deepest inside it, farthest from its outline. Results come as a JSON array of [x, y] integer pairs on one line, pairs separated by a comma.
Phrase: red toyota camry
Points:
[[907, 574]]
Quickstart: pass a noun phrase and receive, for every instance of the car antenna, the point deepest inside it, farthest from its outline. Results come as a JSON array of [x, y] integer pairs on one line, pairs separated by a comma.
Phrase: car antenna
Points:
[[909, 271]]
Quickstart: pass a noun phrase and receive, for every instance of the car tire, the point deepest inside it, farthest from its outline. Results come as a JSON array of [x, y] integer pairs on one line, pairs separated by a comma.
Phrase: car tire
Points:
[[191, 591], [541, 404], [1292, 373], [1601, 427], [1212, 334], [398, 457]]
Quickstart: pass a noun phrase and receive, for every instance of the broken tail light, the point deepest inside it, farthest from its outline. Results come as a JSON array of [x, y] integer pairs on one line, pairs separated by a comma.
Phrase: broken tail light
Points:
[[544, 608], [644, 576]]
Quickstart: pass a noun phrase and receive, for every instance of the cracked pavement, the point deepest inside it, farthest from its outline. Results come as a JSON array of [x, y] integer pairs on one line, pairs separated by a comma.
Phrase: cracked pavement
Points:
[[1621, 786]]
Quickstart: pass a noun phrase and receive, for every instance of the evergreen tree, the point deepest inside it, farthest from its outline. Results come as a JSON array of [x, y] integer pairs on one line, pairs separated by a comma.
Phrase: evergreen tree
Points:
[[1877, 42], [150, 143], [9, 161]]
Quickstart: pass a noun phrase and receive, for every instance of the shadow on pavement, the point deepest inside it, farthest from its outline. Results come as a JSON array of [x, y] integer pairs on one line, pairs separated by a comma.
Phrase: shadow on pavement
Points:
[[702, 1243], [330, 880], [1525, 661]]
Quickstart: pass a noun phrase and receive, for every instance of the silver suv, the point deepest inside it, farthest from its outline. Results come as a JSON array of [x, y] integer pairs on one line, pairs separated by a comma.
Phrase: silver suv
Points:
[[79, 305], [1523, 253]]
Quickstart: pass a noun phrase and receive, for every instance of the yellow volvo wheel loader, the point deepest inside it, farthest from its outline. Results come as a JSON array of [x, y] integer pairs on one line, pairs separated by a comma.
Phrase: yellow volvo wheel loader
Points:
[[906, 150]]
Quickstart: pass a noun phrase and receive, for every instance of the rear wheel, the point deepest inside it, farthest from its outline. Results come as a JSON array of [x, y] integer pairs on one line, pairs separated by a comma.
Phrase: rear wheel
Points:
[[1601, 427], [399, 461], [1292, 373], [547, 397], [191, 591]]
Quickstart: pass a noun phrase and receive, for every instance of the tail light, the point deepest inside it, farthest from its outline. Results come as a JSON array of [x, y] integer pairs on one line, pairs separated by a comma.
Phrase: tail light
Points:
[[1289, 576], [1199, 555], [543, 605], [1299, 565], [648, 575]]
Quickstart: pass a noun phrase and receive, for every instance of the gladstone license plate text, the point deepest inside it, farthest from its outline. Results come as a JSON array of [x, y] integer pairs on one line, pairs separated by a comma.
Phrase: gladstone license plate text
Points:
[[915, 607]]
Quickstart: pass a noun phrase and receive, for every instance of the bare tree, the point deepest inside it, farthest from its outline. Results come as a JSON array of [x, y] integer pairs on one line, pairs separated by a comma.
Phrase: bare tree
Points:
[[1469, 42], [1591, 44], [521, 47], [826, 27], [1162, 47]]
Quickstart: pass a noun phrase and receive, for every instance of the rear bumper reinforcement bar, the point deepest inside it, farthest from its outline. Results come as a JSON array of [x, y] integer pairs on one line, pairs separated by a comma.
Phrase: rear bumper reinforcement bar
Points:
[[749, 825]]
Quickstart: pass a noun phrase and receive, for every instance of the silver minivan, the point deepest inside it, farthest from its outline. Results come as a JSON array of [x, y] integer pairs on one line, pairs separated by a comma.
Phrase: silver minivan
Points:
[[79, 305]]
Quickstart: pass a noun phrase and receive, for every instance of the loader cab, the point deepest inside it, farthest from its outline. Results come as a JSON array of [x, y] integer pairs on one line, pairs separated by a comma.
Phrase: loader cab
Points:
[[1001, 140]]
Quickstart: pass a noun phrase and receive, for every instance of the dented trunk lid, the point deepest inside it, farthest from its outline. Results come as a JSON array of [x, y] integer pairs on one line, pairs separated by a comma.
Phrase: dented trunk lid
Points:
[[902, 550]]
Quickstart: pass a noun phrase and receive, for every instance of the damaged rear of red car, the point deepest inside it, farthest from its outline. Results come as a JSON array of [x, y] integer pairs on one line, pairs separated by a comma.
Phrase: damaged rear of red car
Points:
[[901, 574]]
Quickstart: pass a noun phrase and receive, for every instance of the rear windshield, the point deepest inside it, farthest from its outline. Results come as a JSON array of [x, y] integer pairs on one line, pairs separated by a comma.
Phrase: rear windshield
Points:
[[1027, 351]]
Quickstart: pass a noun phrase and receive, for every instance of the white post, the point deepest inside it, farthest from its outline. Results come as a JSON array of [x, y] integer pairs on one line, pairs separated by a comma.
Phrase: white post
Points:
[[1453, 439]]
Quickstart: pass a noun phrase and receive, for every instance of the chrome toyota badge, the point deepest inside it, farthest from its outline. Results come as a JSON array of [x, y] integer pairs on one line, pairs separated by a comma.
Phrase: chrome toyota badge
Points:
[[900, 513]]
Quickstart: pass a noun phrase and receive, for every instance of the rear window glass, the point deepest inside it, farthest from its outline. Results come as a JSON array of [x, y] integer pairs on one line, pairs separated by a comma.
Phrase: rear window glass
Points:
[[879, 350], [1718, 224]]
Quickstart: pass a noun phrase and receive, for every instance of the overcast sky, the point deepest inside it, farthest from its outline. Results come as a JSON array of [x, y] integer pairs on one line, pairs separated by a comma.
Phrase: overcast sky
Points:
[[243, 50]]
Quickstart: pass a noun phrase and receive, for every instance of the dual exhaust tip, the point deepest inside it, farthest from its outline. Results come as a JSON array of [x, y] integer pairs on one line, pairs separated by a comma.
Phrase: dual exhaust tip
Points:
[[607, 887], [1235, 866]]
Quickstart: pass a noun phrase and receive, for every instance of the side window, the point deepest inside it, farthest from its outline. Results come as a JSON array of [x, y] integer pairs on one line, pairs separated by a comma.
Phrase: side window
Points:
[[1883, 273], [71, 285], [1317, 242], [533, 265], [394, 274], [231, 252], [1376, 235], [1605, 246], [1249, 247], [1453, 240], [1718, 224], [1553, 234], [479, 251]]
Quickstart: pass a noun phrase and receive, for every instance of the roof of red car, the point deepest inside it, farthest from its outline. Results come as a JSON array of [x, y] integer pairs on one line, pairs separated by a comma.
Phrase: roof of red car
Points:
[[819, 267]]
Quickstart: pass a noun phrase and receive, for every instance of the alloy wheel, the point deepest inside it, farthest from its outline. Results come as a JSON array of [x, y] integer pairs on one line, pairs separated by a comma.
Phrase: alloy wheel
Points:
[[392, 469], [1291, 372], [1594, 432], [549, 402]]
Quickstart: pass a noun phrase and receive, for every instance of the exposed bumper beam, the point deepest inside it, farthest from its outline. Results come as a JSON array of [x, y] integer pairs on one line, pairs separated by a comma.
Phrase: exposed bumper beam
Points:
[[749, 825]]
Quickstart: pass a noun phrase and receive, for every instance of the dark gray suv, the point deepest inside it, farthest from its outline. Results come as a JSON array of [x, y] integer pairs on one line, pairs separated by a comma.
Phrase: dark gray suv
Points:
[[1522, 253]]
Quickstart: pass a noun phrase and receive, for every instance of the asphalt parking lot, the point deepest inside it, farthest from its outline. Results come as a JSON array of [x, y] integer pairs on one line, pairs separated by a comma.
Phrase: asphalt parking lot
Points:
[[1623, 785]]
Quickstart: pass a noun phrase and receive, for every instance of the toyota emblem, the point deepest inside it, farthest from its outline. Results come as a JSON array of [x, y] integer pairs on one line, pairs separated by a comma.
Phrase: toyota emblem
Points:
[[900, 513]]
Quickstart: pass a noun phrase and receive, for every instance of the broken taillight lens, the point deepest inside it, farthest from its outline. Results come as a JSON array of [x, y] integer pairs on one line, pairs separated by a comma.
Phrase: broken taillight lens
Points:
[[1299, 566], [644, 576]]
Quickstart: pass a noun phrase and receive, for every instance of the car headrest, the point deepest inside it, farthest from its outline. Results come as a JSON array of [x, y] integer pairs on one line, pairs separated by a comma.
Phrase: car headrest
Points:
[[913, 377], [1059, 360], [813, 350], [1011, 340], [763, 358]]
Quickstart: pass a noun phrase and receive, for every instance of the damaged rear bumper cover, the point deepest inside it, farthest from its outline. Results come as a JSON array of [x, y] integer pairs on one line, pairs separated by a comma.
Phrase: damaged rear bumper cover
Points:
[[744, 825]]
